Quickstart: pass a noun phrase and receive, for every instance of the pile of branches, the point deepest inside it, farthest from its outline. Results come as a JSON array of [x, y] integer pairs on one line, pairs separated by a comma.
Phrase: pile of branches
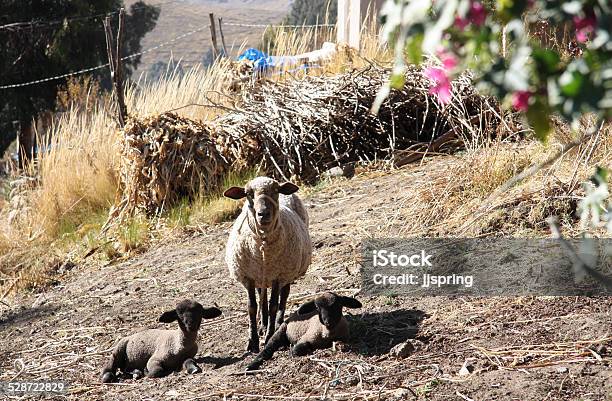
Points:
[[165, 158], [301, 128], [294, 130]]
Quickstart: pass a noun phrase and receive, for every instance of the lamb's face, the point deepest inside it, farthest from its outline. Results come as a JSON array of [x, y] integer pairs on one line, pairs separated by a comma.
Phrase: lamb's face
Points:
[[330, 310], [262, 199], [189, 315]]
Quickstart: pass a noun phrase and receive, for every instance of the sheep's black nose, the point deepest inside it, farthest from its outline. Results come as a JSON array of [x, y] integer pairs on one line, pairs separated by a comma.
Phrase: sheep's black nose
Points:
[[263, 214]]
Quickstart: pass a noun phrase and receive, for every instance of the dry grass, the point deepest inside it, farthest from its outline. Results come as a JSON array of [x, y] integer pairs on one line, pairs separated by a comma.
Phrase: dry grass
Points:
[[453, 197]]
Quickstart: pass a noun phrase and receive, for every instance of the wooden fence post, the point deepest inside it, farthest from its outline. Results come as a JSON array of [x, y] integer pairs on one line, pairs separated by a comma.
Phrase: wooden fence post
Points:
[[213, 33], [116, 63], [225, 53]]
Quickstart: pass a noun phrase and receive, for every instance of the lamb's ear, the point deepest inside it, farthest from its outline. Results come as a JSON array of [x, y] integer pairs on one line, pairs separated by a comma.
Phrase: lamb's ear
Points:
[[350, 302], [288, 188], [235, 193], [169, 316], [307, 308], [210, 313]]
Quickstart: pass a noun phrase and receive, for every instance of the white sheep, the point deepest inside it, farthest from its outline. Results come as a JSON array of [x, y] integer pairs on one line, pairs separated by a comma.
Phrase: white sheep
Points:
[[157, 352], [269, 247], [315, 325]]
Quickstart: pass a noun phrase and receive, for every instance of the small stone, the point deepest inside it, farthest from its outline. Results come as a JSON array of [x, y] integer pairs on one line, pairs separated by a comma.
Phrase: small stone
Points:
[[562, 369], [402, 350], [401, 394], [467, 368]]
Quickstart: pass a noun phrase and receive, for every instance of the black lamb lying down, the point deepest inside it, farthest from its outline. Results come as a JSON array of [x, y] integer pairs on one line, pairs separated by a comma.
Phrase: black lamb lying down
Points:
[[156, 352], [315, 325]]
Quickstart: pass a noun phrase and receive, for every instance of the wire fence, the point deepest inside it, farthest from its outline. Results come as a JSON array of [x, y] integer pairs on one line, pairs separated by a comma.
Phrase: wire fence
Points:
[[151, 49]]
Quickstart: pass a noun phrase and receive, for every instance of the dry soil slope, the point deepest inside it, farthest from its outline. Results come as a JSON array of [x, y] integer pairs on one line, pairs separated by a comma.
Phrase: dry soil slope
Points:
[[63, 333]]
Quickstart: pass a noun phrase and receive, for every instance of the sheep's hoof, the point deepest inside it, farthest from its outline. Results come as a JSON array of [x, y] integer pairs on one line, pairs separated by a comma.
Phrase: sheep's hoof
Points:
[[252, 366], [137, 374], [108, 377], [193, 370], [253, 346]]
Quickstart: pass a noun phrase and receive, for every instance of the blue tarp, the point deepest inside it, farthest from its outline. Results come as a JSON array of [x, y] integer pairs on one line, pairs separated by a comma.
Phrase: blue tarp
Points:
[[263, 62]]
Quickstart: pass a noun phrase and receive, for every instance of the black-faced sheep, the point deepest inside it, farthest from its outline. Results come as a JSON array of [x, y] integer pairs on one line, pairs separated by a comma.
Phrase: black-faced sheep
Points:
[[269, 247], [157, 352], [315, 325]]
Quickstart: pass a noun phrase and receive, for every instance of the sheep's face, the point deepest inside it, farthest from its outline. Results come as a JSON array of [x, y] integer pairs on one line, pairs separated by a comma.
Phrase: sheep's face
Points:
[[329, 308], [262, 199], [189, 315]]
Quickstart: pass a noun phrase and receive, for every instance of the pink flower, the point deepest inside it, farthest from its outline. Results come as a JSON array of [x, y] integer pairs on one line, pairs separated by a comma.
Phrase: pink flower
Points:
[[478, 14], [440, 84], [585, 26], [520, 100], [448, 59], [461, 23]]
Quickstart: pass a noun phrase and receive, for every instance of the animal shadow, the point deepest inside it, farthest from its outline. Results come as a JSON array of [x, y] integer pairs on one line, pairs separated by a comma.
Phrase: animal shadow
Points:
[[219, 362], [26, 315], [376, 333]]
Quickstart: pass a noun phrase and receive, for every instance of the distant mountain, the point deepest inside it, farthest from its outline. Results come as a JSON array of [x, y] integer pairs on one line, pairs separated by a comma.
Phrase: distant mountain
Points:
[[177, 18]]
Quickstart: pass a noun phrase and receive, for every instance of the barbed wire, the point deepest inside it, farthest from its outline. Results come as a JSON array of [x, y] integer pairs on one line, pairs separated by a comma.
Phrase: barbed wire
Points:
[[85, 70], [26, 24], [277, 25]]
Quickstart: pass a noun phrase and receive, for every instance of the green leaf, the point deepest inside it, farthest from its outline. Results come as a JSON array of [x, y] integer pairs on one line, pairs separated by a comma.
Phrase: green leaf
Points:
[[571, 83], [413, 49], [547, 61], [601, 175], [397, 81], [538, 117]]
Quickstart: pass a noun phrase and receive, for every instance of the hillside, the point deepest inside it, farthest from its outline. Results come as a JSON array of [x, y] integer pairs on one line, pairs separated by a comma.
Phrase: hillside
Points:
[[181, 17]]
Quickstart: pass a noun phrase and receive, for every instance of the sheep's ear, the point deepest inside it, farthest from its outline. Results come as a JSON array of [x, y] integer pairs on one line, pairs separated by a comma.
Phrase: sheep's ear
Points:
[[288, 188], [169, 316], [235, 193], [350, 302], [210, 313], [306, 308]]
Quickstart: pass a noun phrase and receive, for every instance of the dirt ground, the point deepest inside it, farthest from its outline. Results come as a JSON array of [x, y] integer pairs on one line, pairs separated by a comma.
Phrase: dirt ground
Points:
[[518, 348]]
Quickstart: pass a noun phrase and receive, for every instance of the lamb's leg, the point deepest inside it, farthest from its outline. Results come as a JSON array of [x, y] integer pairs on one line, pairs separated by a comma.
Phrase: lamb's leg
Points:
[[116, 361], [263, 310], [155, 368], [272, 310], [301, 349], [191, 367], [278, 340], [253, 345], [282, 304]]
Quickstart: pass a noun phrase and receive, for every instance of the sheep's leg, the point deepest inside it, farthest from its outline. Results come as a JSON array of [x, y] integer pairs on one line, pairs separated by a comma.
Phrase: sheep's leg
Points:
[[253, 345], [301, 349], [282, 304], [116, 361], [278, 340], [155, 368], [272, 310], [263, 310], [191, 367]]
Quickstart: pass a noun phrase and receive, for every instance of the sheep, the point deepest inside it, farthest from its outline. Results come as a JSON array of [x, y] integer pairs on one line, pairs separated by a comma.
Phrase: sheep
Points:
[[315, 325], [269, 247], [157, 352]]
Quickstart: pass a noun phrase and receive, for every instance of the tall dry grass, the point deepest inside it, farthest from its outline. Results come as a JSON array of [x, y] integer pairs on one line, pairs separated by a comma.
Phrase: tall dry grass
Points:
[[77, 174]]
